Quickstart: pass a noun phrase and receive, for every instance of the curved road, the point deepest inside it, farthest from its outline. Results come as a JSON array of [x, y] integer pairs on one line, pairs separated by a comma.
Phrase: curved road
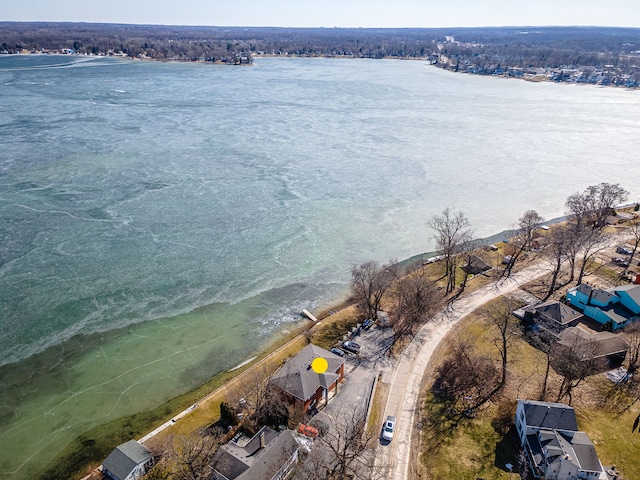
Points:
[[405, 383]]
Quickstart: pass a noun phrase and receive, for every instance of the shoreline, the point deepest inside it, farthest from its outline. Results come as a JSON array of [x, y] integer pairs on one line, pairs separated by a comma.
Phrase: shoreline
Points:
[[164, 414], [180, 407], [532, 78]]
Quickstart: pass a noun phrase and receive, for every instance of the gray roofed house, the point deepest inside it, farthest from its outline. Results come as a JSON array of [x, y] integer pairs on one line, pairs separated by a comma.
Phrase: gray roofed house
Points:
[[476, 266], [597, 296], [629, 296], [594, 345], [557, 315], [128, 461], [301, 384], [268, 455], [548, 415], [556, 449]]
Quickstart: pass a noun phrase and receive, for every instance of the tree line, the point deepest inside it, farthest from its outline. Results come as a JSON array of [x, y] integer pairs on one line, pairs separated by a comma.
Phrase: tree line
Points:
[[480, 50], [570, 251]]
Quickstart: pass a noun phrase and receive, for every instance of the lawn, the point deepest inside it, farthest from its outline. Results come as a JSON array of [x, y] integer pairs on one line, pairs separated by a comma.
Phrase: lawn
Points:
[[480, 447]]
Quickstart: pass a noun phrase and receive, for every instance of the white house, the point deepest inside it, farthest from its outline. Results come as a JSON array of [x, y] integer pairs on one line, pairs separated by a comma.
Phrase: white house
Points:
[[555, 448]]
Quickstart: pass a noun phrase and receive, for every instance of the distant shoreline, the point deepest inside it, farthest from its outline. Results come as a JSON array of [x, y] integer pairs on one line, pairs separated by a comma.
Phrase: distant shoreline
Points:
[[551, 75]]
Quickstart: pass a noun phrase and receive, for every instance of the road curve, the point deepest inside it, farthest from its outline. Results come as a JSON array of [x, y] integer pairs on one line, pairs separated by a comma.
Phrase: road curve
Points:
[[405, 383]]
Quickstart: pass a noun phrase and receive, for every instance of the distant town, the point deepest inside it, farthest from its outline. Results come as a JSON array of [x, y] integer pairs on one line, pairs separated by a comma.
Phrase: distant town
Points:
[[581, 55]]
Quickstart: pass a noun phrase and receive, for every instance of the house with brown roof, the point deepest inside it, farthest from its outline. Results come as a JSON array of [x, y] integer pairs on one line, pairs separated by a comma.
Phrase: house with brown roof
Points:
[[556, 450], [301, 385]]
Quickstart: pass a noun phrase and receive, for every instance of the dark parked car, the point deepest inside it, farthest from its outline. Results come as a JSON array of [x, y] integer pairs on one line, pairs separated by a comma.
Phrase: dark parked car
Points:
[[337, 351], [623, 250], [367, 324], [620, 261]]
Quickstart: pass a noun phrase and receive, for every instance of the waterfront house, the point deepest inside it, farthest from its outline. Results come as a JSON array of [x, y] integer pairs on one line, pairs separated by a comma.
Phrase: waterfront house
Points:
[[268, 455], [129, 461], [613, 308], [301, 385], [556, 450]]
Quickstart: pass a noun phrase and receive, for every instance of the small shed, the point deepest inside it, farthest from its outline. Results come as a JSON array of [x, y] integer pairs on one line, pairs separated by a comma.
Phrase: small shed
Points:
[[129, 461], [475, 266]]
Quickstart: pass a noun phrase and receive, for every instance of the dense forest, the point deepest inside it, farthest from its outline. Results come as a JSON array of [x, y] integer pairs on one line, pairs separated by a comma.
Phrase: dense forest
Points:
[[599, 55]]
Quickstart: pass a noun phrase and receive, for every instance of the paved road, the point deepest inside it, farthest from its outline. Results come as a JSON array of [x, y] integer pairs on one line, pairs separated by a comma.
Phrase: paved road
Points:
[[407, 377]]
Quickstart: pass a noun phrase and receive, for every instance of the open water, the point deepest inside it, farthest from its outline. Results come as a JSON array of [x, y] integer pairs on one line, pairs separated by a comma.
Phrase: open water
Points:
[[161, 222]]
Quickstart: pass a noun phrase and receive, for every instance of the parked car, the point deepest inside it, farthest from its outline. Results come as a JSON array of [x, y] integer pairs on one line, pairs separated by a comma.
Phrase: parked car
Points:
[[308, 430], [367, 324], [352, 347], [620, 262], [623, 250], [337, 351], [388, 428]]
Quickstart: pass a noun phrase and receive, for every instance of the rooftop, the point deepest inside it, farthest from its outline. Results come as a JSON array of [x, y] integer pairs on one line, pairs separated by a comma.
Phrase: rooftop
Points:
[[549, 415], [297, 378]]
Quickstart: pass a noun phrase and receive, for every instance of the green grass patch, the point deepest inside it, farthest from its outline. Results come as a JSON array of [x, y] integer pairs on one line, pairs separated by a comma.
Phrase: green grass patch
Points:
[[332, 328], [465, 448], [377, 409]]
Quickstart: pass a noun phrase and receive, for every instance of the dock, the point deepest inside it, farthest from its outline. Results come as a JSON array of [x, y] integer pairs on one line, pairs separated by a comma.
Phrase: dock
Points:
[[309, 315]]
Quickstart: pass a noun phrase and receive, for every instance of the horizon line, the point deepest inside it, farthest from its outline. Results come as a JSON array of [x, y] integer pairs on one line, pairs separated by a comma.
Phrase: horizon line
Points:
[[336, 27]]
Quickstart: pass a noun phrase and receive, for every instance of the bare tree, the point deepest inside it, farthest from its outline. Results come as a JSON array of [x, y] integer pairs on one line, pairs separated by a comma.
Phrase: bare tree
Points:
[[556, 254], [417, 300], [273, 411], [253, 390], [574, 362], [583, 243], [189, 456], [470, 253], [523, 464], [632, 337], [501, 315], [592, 207], [634, 229], [543, 341], [451, 231], [466, 380], [369, 282], [522, 239], [341, 452]]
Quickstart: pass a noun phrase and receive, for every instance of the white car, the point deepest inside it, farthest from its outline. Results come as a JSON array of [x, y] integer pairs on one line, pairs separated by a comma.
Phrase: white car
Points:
[[388, 428]]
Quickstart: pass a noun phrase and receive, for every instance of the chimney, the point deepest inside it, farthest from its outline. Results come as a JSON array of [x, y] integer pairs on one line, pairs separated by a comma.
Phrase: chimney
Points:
[[263, 443]]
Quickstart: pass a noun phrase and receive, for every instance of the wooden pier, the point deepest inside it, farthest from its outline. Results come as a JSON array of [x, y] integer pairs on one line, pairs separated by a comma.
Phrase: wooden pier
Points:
[[309, 315]]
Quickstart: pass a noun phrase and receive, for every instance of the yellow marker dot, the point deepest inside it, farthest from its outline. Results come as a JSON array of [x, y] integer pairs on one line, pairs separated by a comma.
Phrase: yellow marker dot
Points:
[[319, 365]]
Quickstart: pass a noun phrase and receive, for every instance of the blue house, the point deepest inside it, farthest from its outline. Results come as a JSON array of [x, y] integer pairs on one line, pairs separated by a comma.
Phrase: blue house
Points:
[[615, 307], [629, 296]]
